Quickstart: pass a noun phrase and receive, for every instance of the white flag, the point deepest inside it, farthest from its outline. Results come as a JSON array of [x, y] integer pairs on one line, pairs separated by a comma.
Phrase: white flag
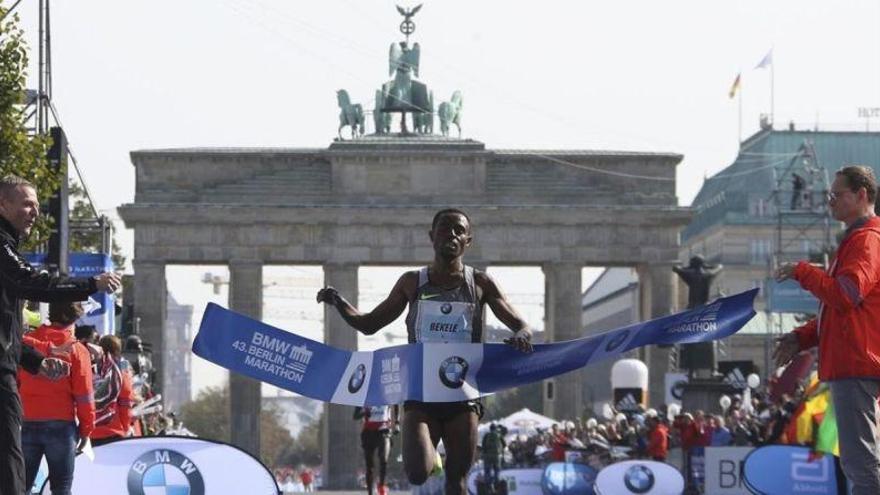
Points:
[[767, 61]]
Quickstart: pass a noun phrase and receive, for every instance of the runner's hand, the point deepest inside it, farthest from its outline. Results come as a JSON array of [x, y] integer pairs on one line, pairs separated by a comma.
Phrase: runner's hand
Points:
[[787, 347], [521, 340], [328, 295]]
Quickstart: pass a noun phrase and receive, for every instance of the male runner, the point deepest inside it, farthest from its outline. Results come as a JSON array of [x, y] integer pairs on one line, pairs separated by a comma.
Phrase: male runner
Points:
[[380, 422], [445, 291]]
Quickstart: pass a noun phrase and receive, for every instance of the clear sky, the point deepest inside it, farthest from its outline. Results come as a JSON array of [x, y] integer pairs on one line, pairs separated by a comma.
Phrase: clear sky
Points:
[[641, 75]]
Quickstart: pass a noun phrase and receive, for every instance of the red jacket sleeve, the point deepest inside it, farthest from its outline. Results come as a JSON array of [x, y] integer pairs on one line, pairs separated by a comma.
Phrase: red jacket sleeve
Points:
[[807, 335], [83, 393], [44, 346], [125, 401], [856, 274]]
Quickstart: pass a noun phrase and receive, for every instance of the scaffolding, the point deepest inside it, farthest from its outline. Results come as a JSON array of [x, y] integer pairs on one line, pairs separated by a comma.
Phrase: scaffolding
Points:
[[803, 222]]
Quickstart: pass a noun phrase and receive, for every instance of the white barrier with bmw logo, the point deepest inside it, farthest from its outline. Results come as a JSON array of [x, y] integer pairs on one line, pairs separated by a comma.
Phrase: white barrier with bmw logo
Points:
[[640, 478], [170, 465]]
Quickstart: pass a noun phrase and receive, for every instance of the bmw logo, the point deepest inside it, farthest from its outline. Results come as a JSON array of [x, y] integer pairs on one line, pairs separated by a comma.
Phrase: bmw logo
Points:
[[678, 389], [356, 381], [446, 308], [616, 341], [639, 479], [453, 371], [164, 472]]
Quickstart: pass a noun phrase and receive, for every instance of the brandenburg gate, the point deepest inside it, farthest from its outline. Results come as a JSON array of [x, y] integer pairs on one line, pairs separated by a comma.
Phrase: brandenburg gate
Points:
[[370, 200]]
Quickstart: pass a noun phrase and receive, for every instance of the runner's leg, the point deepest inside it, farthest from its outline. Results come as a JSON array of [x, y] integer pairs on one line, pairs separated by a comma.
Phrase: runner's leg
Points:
[[420, 436], [460, 440], [384, 449], [369, 446]]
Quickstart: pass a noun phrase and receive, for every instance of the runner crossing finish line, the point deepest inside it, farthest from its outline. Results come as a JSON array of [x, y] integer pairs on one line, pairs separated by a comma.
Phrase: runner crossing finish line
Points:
[[431, 372]]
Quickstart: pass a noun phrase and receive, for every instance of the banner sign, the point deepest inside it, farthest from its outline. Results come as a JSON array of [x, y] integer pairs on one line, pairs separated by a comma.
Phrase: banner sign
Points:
[[789, 297], [99, 309], [697, 471], [565, 478], [522, 481], [435, 372], [639, 477], [185, 465], [724, 470], [674, 384], [629, 400], [789, 469]]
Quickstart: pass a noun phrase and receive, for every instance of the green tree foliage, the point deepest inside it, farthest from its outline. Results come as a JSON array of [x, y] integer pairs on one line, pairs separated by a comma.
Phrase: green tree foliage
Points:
[[507, 402], [306, 449], [20, 153], [208, 417]]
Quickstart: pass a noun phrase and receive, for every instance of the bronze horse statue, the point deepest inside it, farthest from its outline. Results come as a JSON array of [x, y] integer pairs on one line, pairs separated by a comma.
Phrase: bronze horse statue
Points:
[[350, 115], [450, 113]]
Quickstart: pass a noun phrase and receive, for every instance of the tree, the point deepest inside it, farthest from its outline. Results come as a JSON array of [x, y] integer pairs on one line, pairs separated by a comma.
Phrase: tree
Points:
[[306, 449], [22, 154], [208, 417]]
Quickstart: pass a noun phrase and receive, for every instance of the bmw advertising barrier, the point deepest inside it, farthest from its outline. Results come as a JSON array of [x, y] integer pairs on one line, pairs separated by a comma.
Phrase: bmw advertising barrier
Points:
[[565, 478], [433, 372], [170, 466], [789, 470], [639, 478], [723, 467]]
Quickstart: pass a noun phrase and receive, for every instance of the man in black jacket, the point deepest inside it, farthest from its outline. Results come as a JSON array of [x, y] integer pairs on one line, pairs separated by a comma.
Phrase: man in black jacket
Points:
[[19, 209]]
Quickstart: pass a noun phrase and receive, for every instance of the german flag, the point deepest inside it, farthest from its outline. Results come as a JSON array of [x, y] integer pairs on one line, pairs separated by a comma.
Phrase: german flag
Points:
[[735, 87]]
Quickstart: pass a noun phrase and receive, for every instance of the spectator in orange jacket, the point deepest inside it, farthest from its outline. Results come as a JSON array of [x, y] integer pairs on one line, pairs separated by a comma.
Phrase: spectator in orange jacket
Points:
[[847, 329], [50, 407], [114, 418], [658, 439]]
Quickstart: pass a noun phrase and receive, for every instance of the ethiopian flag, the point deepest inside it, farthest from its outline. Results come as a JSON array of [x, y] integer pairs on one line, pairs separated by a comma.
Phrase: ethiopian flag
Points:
[[826, 438]]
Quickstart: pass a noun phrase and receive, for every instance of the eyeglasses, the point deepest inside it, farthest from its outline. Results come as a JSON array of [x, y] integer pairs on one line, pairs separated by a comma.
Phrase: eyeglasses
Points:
[[832, 195]]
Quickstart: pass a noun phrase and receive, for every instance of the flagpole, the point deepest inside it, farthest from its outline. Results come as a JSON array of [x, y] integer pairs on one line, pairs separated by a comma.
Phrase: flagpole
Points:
[[740, 115], [772, 92]]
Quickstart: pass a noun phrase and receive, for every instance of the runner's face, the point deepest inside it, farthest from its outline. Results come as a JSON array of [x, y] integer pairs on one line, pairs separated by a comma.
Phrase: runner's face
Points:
[[451, 236]]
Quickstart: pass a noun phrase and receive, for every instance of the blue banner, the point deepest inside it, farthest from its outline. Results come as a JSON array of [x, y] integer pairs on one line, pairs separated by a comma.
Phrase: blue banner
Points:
[[437, 372], [789, 469], [99, 310]]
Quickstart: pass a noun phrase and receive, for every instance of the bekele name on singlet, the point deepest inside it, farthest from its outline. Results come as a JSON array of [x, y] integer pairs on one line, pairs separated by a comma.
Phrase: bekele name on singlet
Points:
[[444, 327]]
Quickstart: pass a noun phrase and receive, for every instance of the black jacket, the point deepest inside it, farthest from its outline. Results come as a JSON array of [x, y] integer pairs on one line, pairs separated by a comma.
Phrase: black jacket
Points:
[[20, 281]]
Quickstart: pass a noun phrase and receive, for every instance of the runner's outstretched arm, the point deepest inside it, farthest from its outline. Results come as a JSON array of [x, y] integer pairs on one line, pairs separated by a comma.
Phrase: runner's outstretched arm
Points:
[[504, 311], [386, 312]]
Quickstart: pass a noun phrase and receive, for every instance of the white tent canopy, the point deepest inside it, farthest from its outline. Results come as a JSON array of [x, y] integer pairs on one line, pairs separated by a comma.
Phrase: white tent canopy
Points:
[[522, 422]]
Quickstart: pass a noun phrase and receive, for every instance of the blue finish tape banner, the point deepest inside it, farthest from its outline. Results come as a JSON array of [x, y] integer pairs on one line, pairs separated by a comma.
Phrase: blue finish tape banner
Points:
[[437, 372]]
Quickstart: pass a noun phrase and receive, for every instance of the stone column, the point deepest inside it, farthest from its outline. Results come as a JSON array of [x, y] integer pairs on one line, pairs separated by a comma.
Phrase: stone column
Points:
[[150, 309], [659, 293], [562, 294], [341, 434], [245, 297]]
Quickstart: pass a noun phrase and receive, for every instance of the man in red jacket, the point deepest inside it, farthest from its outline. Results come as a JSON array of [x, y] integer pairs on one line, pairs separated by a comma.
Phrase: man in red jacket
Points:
[[847, 329], [658, 438]]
